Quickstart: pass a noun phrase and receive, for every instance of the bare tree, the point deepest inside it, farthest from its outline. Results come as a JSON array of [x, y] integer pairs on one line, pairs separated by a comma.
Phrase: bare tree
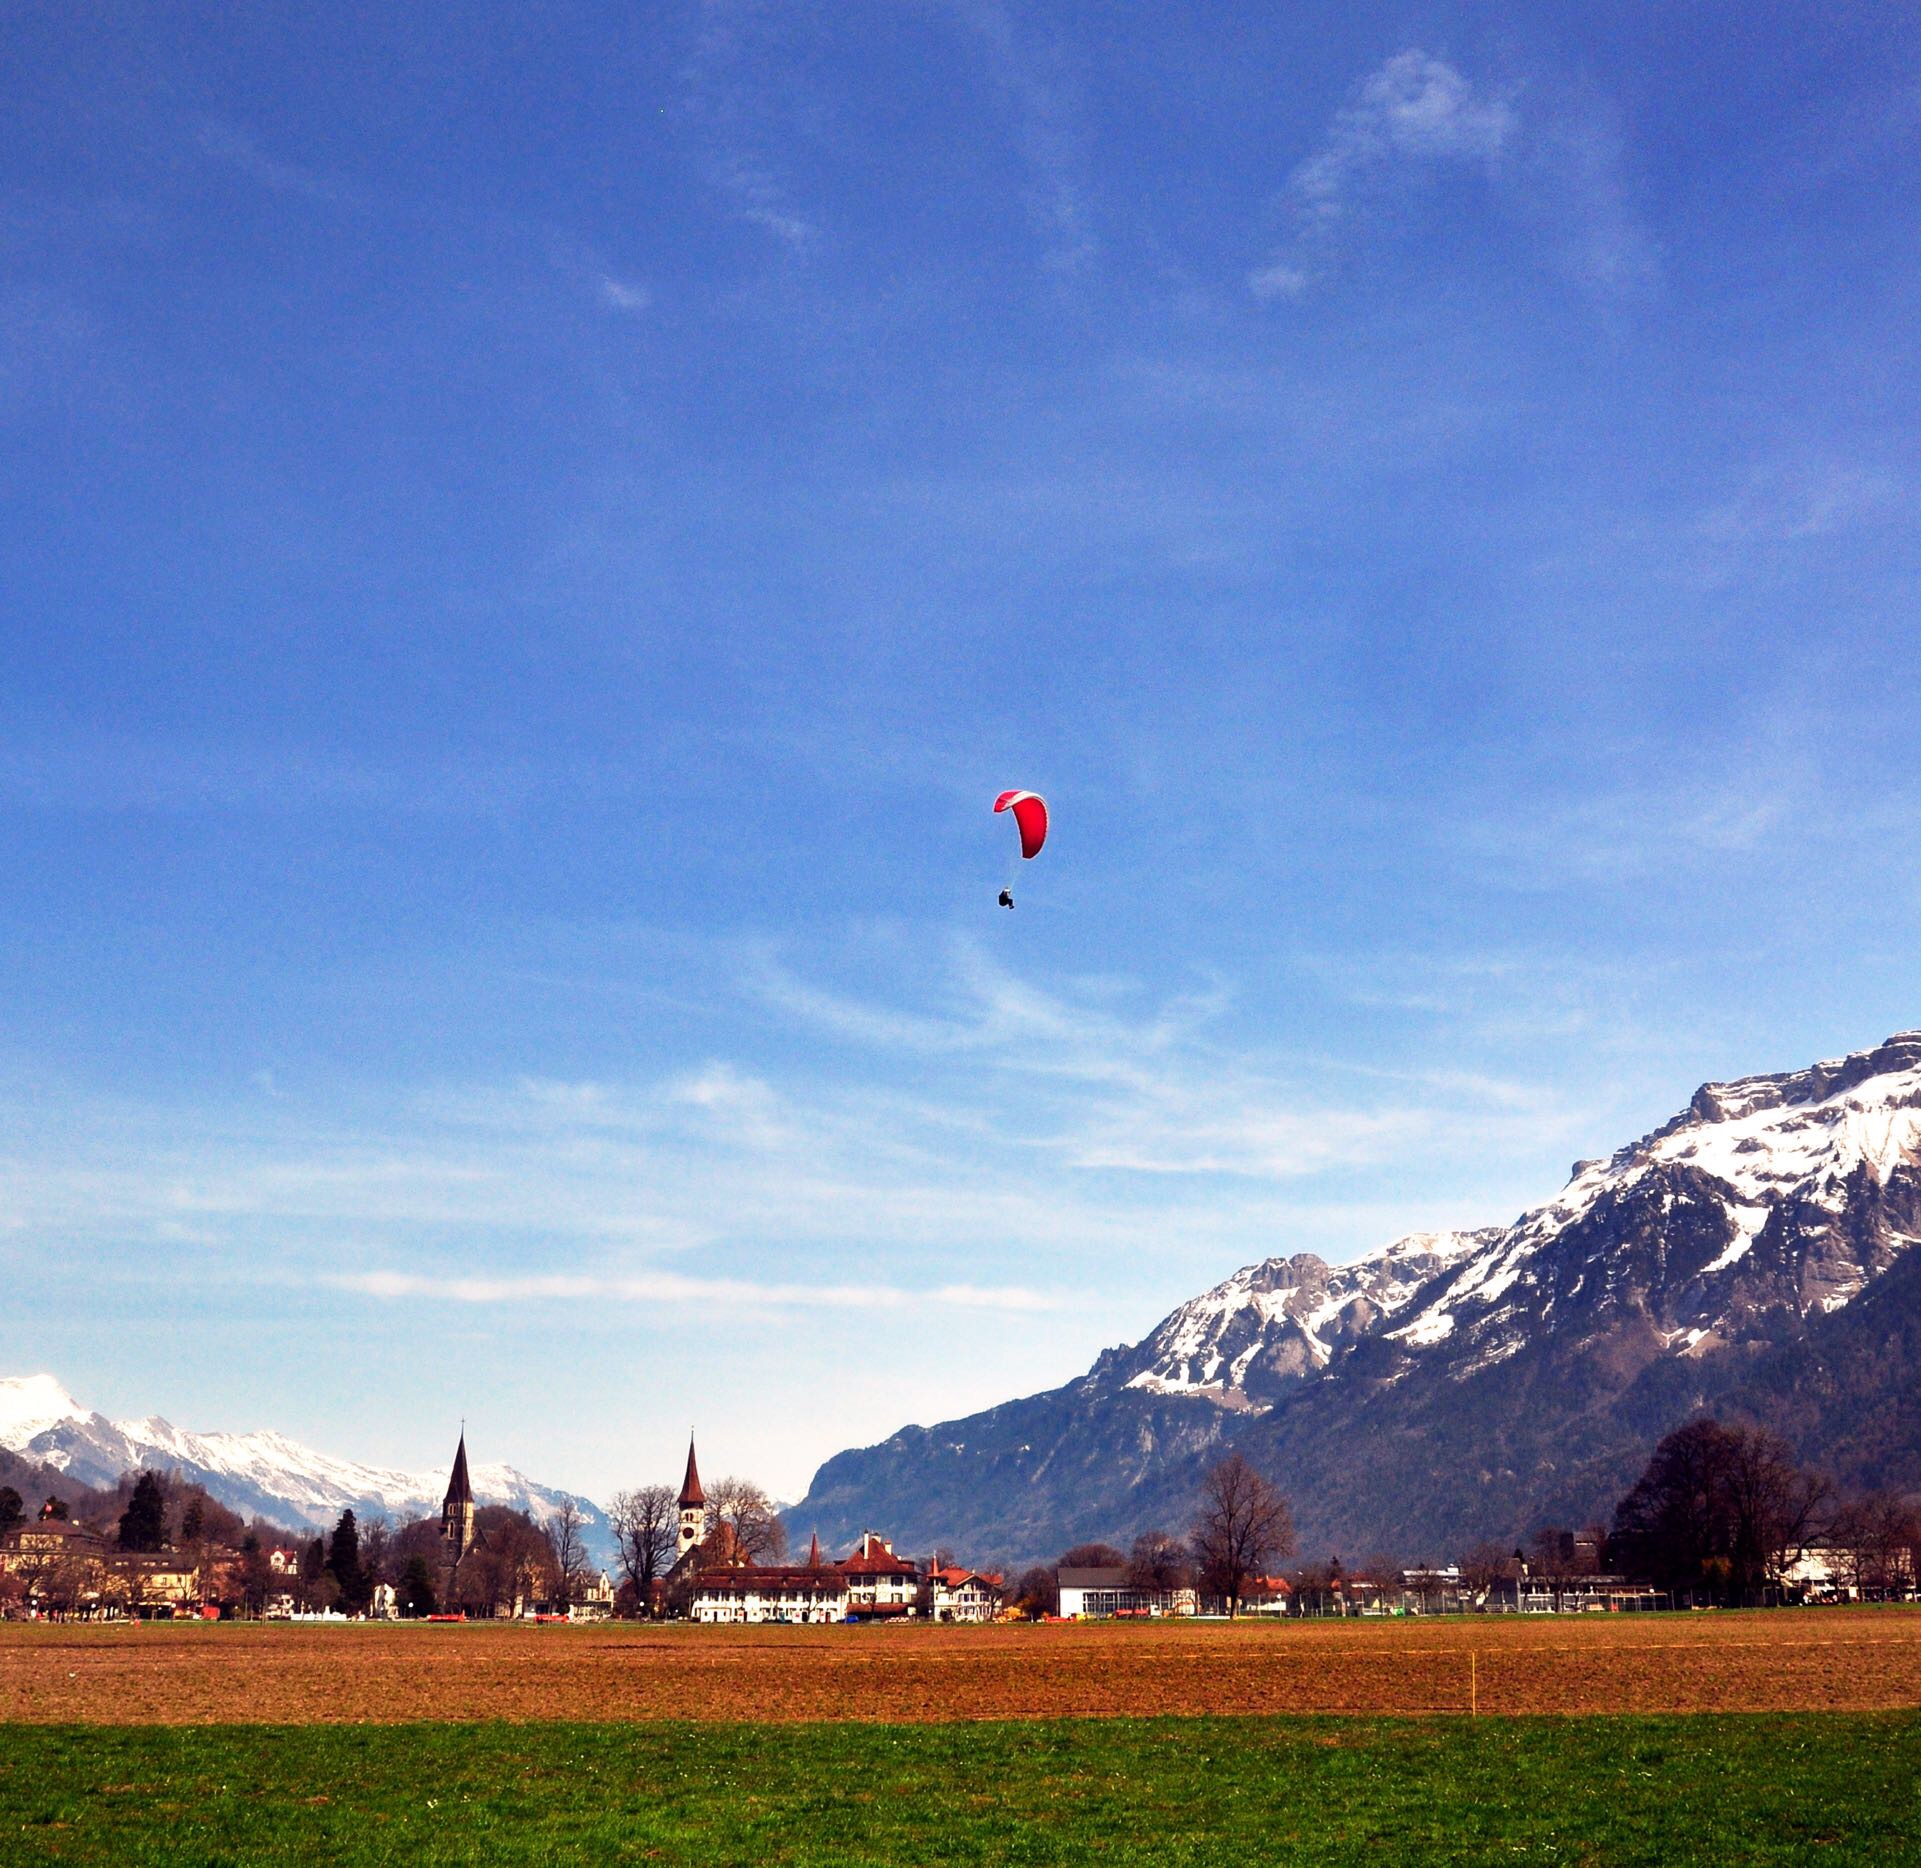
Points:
[[1484, 1566], [745, 1512], [1777, 1507], [1552, 1557], [1242, 1526], [1158, 1563], [1873, 1538], [509, 1564], [376, 1552], [1313, 1586], [1035, 1592], [644, 1522], [1719, 1507], [1378, 1576], [566, 1541], [1092, 1557], [1550, 1551]]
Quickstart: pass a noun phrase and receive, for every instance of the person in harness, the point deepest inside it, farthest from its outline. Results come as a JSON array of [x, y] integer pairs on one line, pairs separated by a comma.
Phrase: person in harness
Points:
[[1006, 898]]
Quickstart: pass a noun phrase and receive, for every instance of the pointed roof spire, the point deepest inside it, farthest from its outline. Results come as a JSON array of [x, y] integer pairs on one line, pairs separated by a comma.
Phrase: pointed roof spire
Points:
[[460, 1489], [813, 1551], [690, 1493]]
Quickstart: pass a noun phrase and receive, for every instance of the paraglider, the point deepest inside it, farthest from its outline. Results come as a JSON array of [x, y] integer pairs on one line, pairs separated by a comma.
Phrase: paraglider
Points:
[[1030, 816]]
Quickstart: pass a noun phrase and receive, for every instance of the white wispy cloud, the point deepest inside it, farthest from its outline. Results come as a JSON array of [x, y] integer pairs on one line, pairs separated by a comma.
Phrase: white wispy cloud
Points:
[[1032, 78], [667, 1288], [1556, 169], [1168, 1092], [745, 113], [1769, 795], [1416, 111], [624, 294], [1792, 500], [980, 1120], [229, 144], [1571, 183]]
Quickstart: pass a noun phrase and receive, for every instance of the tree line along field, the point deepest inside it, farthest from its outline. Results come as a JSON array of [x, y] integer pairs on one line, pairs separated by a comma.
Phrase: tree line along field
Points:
[[1837, 1659]]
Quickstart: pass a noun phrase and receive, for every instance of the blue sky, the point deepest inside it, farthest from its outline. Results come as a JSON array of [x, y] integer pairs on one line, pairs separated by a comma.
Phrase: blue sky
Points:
[[529, 541]]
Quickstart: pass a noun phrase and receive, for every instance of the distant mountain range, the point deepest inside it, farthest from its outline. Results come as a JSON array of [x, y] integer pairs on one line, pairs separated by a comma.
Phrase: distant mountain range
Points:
[[1750, 1256], [261, 1472]]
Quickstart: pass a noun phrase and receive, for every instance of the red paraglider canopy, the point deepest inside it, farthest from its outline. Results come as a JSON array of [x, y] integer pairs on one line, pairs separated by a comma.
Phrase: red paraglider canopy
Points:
[[1030, 813]]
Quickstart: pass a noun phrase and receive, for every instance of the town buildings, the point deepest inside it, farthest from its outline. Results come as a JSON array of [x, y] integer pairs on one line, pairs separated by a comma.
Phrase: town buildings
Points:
[[770, 1593], [871, 1584], [713, 1580], [1105, 1590], [69, 1569], [957, 1595], [880, 1585]]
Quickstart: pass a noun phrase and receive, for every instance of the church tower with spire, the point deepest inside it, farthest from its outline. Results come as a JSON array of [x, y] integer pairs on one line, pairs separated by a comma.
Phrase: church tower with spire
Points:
[[693, 1506], [457, 1509]]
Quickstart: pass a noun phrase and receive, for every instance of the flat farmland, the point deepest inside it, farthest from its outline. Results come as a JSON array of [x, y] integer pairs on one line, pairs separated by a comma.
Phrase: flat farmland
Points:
[[1853, 1660]]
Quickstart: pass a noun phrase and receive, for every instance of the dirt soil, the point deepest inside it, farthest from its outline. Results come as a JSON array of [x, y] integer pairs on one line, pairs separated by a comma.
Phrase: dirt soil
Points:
[[1854, 1659]]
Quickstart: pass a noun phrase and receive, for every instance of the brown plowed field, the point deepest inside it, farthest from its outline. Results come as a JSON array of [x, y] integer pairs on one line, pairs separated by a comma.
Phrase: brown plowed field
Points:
[[1782, 1660]]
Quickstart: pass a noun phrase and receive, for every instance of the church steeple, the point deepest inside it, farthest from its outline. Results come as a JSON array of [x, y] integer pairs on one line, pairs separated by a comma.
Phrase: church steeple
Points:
[[813, 1551], [457, 1508], [693, 1506], [690, 1492]]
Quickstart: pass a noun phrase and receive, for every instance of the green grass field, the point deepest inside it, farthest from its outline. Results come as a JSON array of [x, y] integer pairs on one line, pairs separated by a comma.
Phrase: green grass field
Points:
[[1709, 1789]]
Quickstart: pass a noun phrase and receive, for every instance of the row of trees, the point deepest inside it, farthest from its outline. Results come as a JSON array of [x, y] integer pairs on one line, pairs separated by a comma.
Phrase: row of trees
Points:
[[1722, 1511], [1726, 1511], [1242, 1526], [513, 1558], [743, 1526]]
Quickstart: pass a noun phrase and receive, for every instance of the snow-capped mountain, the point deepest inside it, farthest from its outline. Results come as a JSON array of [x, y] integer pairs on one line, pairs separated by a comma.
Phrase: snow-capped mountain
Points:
[[1245, 1342], [262, 1472], [1766, 1201], [1751, 1254]]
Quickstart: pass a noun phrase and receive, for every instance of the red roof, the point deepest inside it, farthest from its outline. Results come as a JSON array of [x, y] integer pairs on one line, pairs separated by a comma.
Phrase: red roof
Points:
[[954, 1578], [743, 1578], [876, 1566]]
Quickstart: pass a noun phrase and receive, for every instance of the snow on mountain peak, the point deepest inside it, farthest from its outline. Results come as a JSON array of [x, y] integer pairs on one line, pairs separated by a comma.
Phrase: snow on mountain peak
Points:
[[1733, 1206], [1275, 1322], [29, 1405], [262, 1472]]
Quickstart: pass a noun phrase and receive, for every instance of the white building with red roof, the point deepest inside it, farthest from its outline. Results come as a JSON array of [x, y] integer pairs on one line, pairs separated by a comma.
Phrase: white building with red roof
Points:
[[952, 1594], [880, 1585]]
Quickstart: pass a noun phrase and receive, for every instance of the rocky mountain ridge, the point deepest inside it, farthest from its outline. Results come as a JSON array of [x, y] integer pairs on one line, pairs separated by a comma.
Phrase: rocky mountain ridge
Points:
[[1458, 1384]]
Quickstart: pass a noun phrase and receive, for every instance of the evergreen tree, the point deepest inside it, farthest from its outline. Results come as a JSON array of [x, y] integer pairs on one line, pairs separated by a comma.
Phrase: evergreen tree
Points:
[[416, 1592], [12, 1511], [313, 1560], [195, 1520], [143, 1525], [256, 1574], [343, 1560]]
